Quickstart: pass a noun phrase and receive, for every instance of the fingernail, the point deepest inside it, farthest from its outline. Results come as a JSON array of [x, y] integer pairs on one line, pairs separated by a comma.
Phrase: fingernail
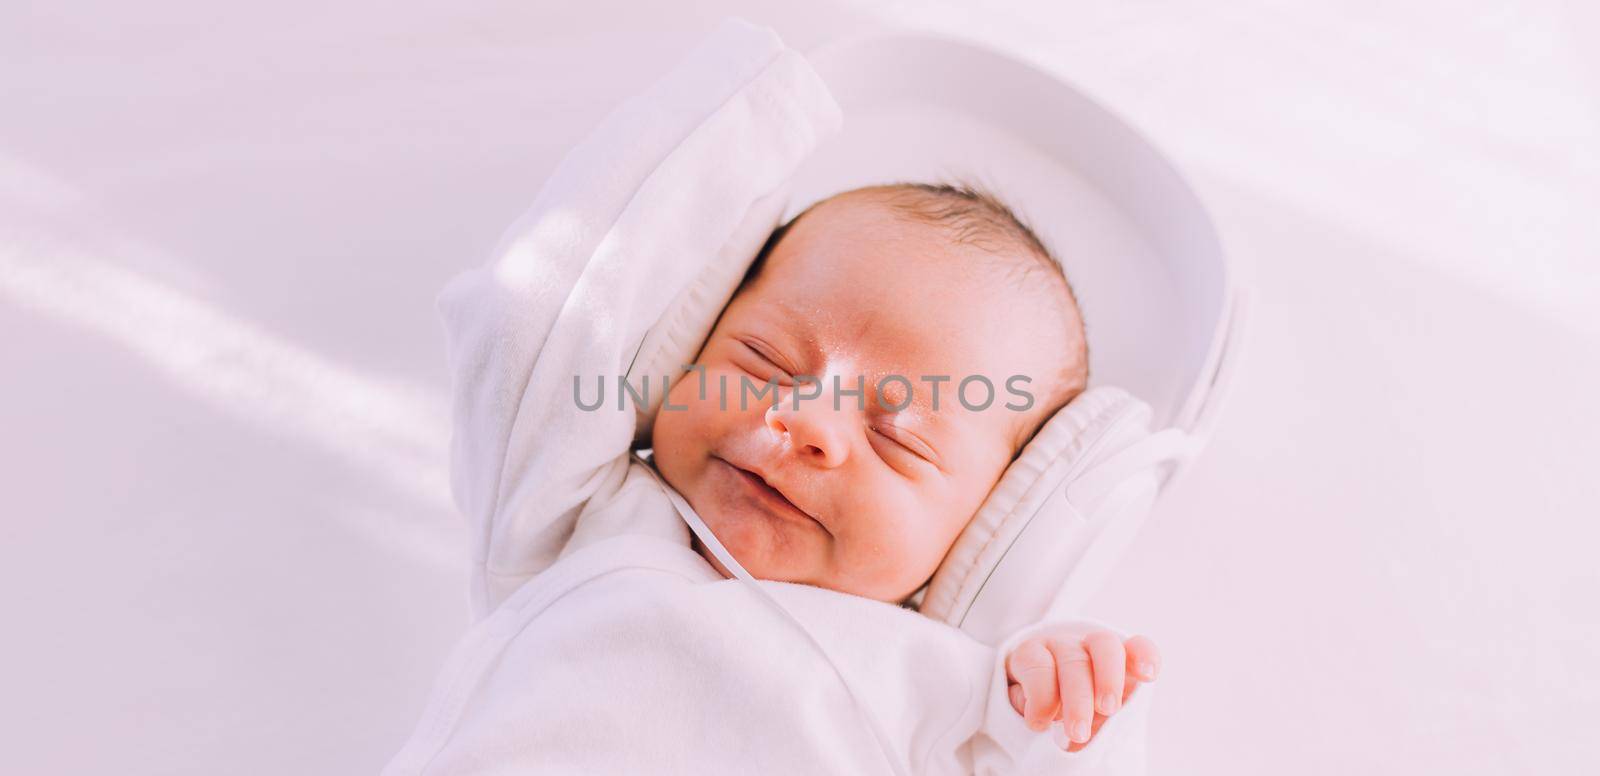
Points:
[[1080, 732], [1147, 670], [1108, 704], [1061, 738]]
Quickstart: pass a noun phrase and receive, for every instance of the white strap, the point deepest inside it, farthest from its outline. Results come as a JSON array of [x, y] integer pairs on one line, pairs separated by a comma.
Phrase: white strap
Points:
[[727, 560]]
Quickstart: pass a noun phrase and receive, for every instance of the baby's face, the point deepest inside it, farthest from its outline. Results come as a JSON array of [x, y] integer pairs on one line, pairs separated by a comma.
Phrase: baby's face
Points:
[[852, 495]]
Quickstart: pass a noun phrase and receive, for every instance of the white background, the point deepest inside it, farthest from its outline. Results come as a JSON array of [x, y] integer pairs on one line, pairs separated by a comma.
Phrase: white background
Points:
[[227, 544]]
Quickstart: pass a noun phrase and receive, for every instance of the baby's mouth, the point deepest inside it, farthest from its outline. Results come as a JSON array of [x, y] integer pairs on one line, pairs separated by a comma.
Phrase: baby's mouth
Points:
[[772, 496]]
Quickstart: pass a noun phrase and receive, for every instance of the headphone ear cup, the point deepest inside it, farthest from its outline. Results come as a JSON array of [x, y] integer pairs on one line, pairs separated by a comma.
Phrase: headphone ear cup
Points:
[[1007, 568], [1114, 522]]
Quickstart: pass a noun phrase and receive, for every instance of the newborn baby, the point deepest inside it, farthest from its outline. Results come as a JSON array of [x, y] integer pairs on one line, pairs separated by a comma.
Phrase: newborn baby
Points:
[[606, 639], [863, 493]]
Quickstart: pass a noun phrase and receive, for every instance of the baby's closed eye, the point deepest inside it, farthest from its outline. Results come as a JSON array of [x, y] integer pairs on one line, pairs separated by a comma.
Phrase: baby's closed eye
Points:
[[905, 442], [763, 361]]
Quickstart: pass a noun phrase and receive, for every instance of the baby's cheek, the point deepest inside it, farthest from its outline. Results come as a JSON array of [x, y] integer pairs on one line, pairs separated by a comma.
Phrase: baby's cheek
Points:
[[696, 414], [669, 445], [694, 398], [906, 544], [704, 389], [938, 523], [679, 429]]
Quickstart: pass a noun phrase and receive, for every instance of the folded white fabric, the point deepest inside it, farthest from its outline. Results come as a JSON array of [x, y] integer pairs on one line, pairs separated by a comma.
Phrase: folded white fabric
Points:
[[659, 176]]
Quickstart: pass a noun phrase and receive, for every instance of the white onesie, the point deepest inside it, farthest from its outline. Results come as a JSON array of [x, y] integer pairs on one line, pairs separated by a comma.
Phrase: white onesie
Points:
[[603, 643]]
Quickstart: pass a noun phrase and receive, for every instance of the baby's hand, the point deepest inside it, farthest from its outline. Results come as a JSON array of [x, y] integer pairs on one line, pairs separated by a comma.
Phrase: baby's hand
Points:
[[1079, 674]]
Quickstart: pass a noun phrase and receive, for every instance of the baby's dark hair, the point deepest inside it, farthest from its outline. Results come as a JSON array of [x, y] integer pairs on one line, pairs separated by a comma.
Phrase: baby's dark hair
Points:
[[975, 217]]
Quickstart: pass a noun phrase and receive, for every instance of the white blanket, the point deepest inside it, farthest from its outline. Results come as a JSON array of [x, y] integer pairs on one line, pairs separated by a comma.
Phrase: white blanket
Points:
[[604, 644]]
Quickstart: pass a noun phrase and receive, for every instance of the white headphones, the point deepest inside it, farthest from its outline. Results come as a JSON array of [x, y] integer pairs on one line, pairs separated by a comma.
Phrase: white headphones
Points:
[[1067, 507]]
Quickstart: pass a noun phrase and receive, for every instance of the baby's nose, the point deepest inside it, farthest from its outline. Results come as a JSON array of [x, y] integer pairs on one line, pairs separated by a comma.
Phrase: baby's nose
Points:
[[817, 432]]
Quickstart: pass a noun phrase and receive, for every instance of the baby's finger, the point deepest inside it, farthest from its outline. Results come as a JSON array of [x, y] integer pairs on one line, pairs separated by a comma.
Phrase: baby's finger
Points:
[[1077, 687], [1032, 667], [1099, 719], [1144, 660], [1109, 664]]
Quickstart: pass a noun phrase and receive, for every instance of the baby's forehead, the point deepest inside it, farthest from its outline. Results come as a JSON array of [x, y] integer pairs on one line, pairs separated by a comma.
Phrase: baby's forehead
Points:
[[906, 300], [878, 207], [864, 239]]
